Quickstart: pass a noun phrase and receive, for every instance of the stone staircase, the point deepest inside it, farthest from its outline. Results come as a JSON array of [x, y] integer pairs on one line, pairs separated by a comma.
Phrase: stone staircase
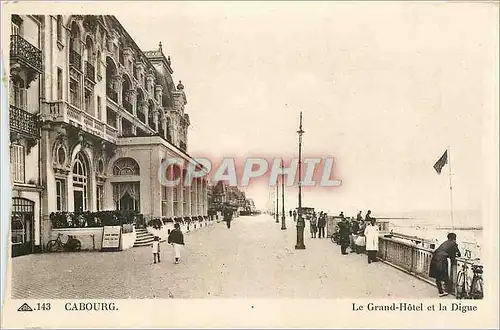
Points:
[[142, 237]]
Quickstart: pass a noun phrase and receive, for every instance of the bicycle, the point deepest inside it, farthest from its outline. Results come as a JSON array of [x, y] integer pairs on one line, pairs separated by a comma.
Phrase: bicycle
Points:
[[476, 287], [71, 245], [463, 283]]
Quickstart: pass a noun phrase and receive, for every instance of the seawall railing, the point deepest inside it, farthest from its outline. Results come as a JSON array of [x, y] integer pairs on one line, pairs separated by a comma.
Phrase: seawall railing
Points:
[[416, 260]]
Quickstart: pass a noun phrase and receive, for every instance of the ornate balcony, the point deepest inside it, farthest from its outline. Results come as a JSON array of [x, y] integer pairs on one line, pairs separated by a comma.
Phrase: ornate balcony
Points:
[[24, 55], [21, 50], [89, 72], [24, 123], [75, 60], [65, 113]]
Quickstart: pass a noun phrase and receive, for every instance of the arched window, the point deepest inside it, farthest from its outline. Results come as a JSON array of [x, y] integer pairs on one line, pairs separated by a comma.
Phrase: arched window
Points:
[[59, 27], [126, 86], [75, 38], [126, 166], [80, 183], [111, 71]]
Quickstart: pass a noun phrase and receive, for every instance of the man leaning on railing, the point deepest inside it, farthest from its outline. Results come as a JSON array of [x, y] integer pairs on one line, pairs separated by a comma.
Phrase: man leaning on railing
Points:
[[439, 263]]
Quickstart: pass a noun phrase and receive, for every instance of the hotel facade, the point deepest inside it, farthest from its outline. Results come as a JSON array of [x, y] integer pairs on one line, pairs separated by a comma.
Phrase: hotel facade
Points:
[[92, 117]]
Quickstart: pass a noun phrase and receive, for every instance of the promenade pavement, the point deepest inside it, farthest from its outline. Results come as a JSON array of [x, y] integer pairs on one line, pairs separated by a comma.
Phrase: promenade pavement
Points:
[[253, 259]]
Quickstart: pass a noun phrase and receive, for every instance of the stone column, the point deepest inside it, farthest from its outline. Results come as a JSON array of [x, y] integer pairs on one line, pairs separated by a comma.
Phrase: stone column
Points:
[[201, 210], [145, 110], [194, 194], [170, 194], [188, 200], [119, 124], [205, 196], [132, 96], [180, 196], [117, 87], [155, 119]]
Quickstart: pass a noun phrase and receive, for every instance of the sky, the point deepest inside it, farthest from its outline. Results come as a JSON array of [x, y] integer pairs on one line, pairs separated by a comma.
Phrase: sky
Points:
[[384, 88]]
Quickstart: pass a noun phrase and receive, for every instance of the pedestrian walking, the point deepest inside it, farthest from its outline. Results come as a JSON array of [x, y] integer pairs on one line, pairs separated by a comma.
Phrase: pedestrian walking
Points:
[[176, 238], [372, 235], [228, 217], [313, 226], [291, 213], [439, 263], [155, 246], [344, 235], [354, 229], [294, 215], [321, 224]]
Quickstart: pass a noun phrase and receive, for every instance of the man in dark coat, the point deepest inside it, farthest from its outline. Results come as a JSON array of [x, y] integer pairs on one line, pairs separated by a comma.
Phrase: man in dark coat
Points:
[[354, 228], [344, 232], [439, 263], [228, 216], [359, 217], [321, 224]]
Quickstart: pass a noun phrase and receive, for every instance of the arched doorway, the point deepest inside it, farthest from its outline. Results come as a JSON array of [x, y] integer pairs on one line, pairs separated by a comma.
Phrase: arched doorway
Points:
[[126, 195], [22, 226], [80, 183]]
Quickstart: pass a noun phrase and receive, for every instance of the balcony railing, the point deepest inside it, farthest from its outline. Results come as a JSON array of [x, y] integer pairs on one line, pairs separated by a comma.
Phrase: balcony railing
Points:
[[111, 93], [22, 50], [89, 71], [75, 60], [128, 106], [24, 122], [63, 112]]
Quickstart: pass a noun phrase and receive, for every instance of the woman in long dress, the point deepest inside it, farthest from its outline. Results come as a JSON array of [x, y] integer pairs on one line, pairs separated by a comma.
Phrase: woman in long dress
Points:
[[371, 235], [176, 238]]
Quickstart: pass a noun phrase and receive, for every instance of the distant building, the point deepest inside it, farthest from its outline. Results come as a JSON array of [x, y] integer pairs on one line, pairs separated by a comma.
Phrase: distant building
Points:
[[222, 195]]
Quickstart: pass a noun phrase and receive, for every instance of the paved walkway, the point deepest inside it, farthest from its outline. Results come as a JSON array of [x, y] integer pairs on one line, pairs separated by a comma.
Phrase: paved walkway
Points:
[[252, 259]]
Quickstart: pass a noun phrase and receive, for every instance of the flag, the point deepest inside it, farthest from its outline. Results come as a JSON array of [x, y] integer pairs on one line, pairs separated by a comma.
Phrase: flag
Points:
[[441, 162]]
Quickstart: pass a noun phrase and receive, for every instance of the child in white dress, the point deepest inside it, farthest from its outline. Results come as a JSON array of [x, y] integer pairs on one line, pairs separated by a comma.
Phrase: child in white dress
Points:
[[156, 249]]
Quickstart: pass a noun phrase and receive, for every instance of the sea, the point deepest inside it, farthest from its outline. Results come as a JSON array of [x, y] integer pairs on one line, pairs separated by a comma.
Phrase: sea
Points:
[[435, 225]]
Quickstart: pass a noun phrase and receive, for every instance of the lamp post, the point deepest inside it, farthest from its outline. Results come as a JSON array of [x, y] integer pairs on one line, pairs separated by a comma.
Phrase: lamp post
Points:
[[300, 221], [283, 225], [277, 202]]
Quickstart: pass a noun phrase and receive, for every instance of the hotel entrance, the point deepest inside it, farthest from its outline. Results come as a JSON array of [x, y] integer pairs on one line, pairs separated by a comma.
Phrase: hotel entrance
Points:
[[22, 226]]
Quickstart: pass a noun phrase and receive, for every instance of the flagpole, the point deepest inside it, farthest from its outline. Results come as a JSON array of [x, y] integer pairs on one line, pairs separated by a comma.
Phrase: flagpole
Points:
[[451, 189]]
